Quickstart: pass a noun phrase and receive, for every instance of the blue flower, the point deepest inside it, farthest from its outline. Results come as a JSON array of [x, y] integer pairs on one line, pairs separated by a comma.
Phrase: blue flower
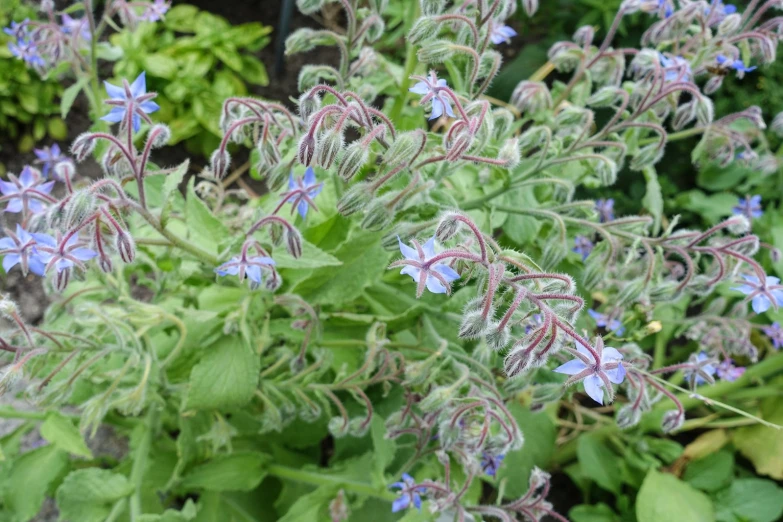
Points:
[[76, 27], [675, 69], [133, 98], [490, 463], [18, 250], [25, 49], [762, 295], [62, 257], [737, 65], [603, 321], [775, 334], [49, 157], [535, 322], [596, 374], [26, 192], [605, 209], [719, 11], [156, 10], [301, 192], [728, 372], [246, 268], [701, 370], [583, 246], [436, 277], [749, 206], [430, 88], [409, 493], [18, 30], [501, 34]]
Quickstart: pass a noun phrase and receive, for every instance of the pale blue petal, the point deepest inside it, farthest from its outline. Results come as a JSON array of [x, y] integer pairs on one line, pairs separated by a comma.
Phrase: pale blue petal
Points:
[[447, 272], [408, 252], [760, 303], [572, 367], [437, 109], [139, 85], [429, 248], [435, 286], [420, 88], [149, 106], [36, 265], [593, 388], [115, 115], [617, 375], [7, 243], [114, 92], [309, 177], [10, 261], [412, 271], [611, 354]]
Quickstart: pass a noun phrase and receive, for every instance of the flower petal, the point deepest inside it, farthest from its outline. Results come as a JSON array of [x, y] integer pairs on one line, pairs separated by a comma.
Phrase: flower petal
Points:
[[572, 367], [408, 252], [139, 85], [593, 388]]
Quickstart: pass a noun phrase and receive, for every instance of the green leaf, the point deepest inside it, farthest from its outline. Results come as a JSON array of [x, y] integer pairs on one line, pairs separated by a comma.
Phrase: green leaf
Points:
[[383, 447], [313, 506], [253, 71], [653, 199], [312, 257], [29, 479], [599, 462], [587, 513], [664, 497], [160, 65], [539, 432], [87, 495], [750, 500], [205, 229], [226, 377], [763, 445], [60, 431], [236, 472], [170, 187], [711, 473], [69, 96], [364, 260], [187, 513]]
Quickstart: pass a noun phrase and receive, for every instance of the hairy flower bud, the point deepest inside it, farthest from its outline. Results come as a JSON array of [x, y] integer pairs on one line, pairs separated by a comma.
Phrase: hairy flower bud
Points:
[[338, 427], [355, 198], [328, 148], [301, 41], [308, 105], [80, 205], [293, 242], [447, 227], [530, 7], [605, 97], [672, 420], [646, 156], [352, 160], [7, 308], [489, 64], [306, 149], [64, 170], [423, 29], [516, 362], [474, 325], [125, 246], [547, 393], [510, 153], [605, 170], [61, 278], [555, 251], [378, 215], [83, 146], [437, 51], [220, 162], [584, 35], [432, 7], [404, 148], [531, 97], [705, 112], [730, 24], [160, 135], [498, 338], [105, 264], [628, 416], [566, 56]]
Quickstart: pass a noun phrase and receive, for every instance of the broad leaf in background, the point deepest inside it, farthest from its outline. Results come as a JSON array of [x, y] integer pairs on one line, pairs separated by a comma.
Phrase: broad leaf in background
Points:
[[664, 497]]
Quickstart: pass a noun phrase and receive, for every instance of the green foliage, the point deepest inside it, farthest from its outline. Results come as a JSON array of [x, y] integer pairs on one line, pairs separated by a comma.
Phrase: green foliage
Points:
[[194, 60], [28, 103]]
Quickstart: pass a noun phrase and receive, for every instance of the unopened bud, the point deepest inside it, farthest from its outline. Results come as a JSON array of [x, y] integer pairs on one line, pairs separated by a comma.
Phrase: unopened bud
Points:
[[738, 225], [355, 198], [628, 417], [64, 170], [125, 246], [530, 7], [306, 149], [338, 427], [730, 24], [379, 214], [352, 160], [705, 112], [489, 64], [293, 242], [547, 393], [474, 325], [584, 35], [375, 29], [437, 51], [404, 148], [531, 97], [498, 338], [8, 308], [106, 264], [61, 278], [646, 156], [160, 135], [672, 420], [555, 251], [605, 170], [605, 97], [436, 399], [516, 363], [301, 40], [308, 105], [273, 282], [83, 146], [510, 153], [432, 7], [713, 84], [424, 29], [328, 149], [220, 162], [448, 227]]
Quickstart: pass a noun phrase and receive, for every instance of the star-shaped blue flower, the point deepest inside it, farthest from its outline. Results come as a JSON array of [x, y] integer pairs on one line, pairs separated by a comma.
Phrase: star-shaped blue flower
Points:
[[596, 375], [605, 209], [132, 98], [490, 463], [501, 34], [604, 321], [762, 295], [436, 277], [48, 157], [702, 369], [676, 68], [775, 334], [26, 192], [76, 27], [302, 191], [583, 246], [430, 89], [409, 494], [18, 250], [61, 257], [749, 206], [737, 65], [250, 268]]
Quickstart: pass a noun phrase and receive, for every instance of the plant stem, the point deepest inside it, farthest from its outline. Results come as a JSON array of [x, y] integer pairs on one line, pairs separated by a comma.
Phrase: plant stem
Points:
[[8, 412], [317, 479], [140, 462], [410, 66], [175, 240], [660, 350], [675, 136]]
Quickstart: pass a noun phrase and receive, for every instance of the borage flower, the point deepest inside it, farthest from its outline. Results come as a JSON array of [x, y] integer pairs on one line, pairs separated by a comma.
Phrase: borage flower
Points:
[[436, 277], [26, 193], [76, 27], [48, 158], [431, 88], [605, 209], [18, 250], [250, 268], [604, 321], [728, 372], [133, 99], [675, 69], [583, 246], [302, 191], [737, 65], [156, 10], [775, 334], [62, 256], [597, 373], [501, 34], [490, 463], [762, 295], [409, 494], [700, 369], [749, 206], [26, 50]]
